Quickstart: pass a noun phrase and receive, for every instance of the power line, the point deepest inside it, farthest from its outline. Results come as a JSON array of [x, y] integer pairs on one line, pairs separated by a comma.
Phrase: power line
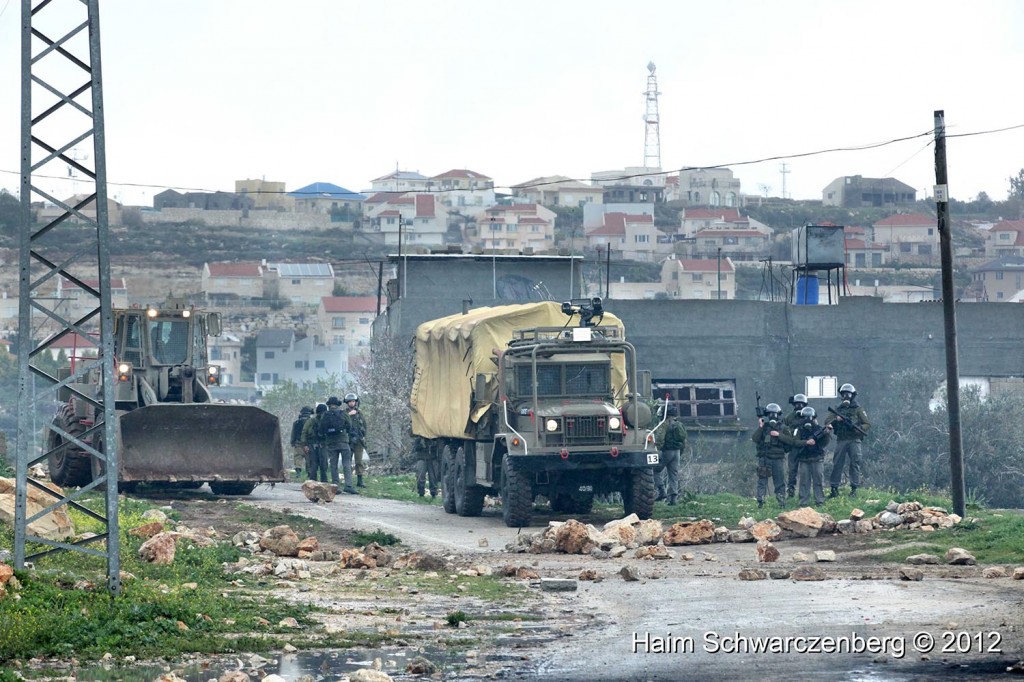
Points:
[[535, 185]]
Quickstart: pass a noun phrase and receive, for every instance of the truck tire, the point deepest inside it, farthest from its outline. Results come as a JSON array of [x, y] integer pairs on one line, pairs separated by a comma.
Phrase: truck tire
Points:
[[638, 496], [232, 487], [516, 495], [469, 498], [70, 466], [448, 480]]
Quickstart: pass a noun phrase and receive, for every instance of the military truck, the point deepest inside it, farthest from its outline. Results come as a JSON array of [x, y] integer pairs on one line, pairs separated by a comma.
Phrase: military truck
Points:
[[535, 399], [169, 428]]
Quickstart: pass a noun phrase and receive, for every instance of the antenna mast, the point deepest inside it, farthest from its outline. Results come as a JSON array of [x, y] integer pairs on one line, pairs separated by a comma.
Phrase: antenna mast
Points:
[[652, 132]]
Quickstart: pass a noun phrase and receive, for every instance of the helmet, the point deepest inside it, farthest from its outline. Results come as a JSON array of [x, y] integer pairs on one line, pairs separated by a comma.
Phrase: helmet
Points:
[[349, 397], [320, 408], [306, 410], [807, 413], [773, 408], [333, 400], [847, 388], [799, 398]]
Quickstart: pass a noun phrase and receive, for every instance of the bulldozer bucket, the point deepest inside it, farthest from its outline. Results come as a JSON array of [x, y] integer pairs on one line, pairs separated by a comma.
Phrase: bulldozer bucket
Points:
[[200, 442]]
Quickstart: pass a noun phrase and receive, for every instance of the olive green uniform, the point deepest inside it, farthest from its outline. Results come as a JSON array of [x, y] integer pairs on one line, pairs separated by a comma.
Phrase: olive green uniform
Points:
[[847, 443], [771, 461]]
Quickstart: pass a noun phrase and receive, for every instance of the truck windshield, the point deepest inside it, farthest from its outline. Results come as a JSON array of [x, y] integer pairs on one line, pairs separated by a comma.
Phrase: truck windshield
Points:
[[169, 340], [583, 379]]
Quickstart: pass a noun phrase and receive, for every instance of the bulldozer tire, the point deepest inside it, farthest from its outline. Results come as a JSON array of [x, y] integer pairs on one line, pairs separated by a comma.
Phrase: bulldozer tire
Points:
[[516, 495], [69, 466], [448, 480], [638, 496], [232, 487], [469, 499]]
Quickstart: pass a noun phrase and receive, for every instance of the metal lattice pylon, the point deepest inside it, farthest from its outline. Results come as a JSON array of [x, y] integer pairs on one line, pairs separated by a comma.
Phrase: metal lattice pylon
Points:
[[652, 125], [64, 242]]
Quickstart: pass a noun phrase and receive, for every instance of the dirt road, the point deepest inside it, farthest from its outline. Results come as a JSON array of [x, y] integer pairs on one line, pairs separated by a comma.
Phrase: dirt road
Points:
[[695, 619]]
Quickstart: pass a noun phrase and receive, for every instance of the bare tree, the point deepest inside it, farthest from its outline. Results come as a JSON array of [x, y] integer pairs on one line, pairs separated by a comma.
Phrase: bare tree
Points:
[[386, 382]]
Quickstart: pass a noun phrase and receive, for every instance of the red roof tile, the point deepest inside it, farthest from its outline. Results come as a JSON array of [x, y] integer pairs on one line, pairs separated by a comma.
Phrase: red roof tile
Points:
[[402, 199], [614, 225], [74, 340], [349, 304], [461, 173], [425, 206], [907, 220], [235, 269], [642, 218], [533, 220], [390, 213]]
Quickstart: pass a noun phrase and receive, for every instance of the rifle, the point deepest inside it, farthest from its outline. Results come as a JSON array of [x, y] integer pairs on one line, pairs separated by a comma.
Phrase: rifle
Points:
[[849, 423], [758, 410]]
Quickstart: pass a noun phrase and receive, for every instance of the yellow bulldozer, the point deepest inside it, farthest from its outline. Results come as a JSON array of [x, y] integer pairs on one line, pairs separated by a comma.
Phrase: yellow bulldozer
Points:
[[170, 429]]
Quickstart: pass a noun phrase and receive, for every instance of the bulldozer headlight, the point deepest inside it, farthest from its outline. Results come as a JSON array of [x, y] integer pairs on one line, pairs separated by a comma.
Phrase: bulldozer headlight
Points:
[[124, 372], [124, 368], [186, 313], [614, 423], [151, 312], [551, 425], [213, 375]]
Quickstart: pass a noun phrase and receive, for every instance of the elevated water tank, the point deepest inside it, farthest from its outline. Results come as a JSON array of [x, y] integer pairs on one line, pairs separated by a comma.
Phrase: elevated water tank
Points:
[[819, 247]]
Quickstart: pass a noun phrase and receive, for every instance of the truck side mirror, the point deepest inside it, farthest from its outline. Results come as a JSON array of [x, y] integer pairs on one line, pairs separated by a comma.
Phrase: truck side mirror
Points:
[[213, 327], [643, 381]]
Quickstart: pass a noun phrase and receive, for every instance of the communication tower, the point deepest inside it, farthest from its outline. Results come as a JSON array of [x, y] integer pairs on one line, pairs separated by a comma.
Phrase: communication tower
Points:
[[652, 132]]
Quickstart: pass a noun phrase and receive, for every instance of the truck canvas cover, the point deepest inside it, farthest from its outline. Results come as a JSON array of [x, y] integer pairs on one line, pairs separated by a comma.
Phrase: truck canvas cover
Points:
[[451, 351]]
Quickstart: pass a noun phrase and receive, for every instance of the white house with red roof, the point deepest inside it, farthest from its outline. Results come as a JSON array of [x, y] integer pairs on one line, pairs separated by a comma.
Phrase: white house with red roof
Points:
[[558, 190], [699, 278], [631, 237], [514, 227], [911, 237], [460, 188], [232, 280], [737, 244], [1005, 238], [693, 220], [74, 346], [345, 320], [422, 219], [73, 302], [861, 252]]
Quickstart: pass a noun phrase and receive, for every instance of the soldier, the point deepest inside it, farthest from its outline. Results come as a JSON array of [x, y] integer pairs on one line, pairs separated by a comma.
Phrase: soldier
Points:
[[850, 423], [428, 466], [334, 428], [357, 436], [312, 445], [298, 450], [771, 454], [809, 447], [671, 439], [792, 421]]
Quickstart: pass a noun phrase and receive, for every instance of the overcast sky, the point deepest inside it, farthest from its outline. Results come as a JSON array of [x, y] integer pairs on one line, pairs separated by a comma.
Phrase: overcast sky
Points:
[[200, 93]]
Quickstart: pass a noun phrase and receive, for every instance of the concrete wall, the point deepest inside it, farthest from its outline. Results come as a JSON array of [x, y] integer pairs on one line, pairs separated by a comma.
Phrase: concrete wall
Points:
[[769, 348]]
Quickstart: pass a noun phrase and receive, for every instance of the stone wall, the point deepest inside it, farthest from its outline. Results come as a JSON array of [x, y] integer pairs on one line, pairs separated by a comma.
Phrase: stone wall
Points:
[[270, 220]]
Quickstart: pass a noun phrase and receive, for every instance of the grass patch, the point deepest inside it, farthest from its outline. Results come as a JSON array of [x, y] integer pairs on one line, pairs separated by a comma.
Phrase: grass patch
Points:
[[400, 487], [486, 588], [265, 518], [455, 617], [362, 538]]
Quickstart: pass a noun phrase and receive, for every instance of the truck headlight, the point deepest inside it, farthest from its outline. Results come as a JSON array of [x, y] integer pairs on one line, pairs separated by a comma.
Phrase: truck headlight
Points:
[[614, 423], [551, 425]]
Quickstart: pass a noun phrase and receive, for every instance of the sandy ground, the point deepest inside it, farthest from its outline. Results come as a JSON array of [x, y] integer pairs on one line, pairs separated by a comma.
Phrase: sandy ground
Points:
[[695, 619]]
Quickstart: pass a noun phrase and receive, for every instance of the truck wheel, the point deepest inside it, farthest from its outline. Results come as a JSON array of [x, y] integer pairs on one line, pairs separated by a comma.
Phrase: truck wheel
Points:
[[232, 487], [69, 466], [516, 495], [469, 499], [638, 497], [448, 480]]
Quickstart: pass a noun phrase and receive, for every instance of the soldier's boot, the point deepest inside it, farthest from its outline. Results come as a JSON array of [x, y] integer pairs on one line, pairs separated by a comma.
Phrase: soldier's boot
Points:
[[433, 493], [790, 492], [298, 472], [359, 482], [672, 500], [834, 492], [420, 491], [853, 491], [760, 503], [350, 490]]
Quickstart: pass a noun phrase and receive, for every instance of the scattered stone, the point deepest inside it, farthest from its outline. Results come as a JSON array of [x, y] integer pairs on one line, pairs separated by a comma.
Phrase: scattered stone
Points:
[[747, 522], [846, 527], [708, 556], [893, 507], [369, 675], [558, 584], [752, 574], [1018, 573], [686, 556], [653, 552], [154, 515], [307, 545], [911, 573], [589, 574], [958, 556], [804, 522], [318, 492], [921, 559], [824, 555], [689, 533], [779, 574], [629, 574], [419, 561], [573, 537], [648, 532], [888, 519], [808, 573], [800, 557], [767, 552], [742, 535], [994, 572], [147, 530], [420, 666], [281, 540], [721, 534], [159, 549], [865, 526], [525, 573], [766, 530], [856, 514], [380, 556], [905, 507], [617, 551], [56, 525], [6, 573], [234, 676]]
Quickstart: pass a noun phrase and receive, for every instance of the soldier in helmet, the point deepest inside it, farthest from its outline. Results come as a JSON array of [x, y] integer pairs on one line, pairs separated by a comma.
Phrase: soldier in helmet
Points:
[[771, 440], [791, 422], [358, 436], [850, 425], [298, 449], [809, 444]]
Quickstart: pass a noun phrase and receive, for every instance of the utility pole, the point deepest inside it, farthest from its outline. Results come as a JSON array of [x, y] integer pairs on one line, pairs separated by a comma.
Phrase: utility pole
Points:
[[784, 172], [956, 444], [719, 273]]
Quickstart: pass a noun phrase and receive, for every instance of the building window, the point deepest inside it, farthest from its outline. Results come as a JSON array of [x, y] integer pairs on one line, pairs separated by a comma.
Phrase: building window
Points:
[[999, 294], [640, 238], [320, 364], [999, 275], [268, 355], [704, 401], [264, 376], [364, 320], [296, 282], [675, 276], [820, 387], [298, 364], [696, 277], [931, 231], [337, 322]]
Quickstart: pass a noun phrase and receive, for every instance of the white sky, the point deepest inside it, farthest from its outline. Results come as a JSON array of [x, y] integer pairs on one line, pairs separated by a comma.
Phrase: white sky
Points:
[[199, 93]]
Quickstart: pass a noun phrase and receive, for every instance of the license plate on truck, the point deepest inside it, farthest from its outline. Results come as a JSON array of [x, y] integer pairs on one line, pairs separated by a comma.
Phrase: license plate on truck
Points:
[[652, 458]]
